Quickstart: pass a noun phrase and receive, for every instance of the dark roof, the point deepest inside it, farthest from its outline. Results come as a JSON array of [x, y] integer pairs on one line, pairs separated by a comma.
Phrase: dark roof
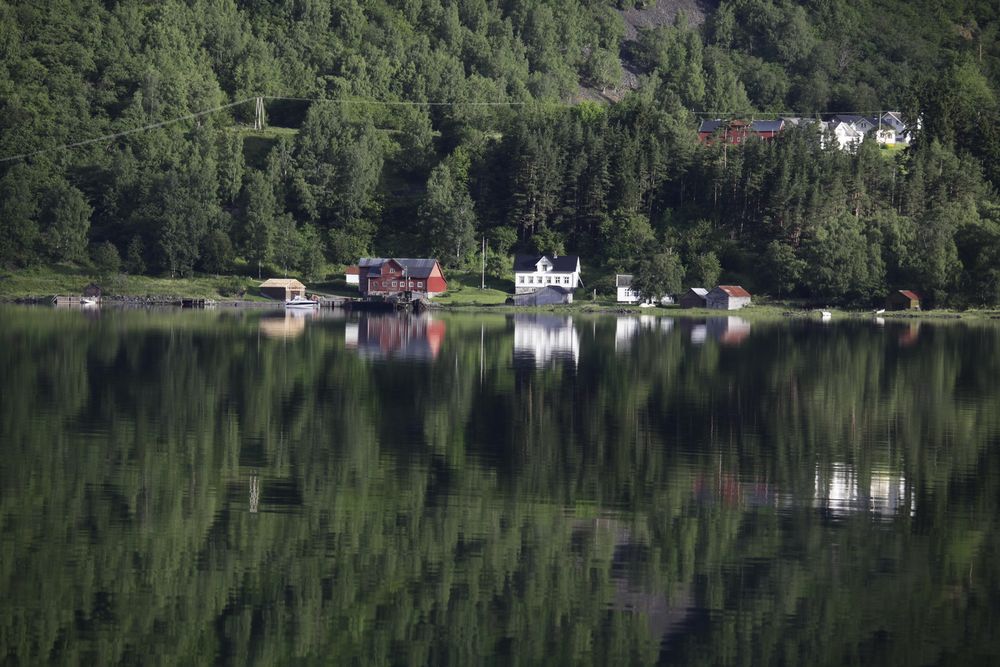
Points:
[[709, 125], [415, 267], [767, 125], [562, 263], [623, 280]]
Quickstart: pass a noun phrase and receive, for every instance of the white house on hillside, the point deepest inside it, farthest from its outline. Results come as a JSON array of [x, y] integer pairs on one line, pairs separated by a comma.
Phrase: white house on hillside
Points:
[[533, 272], [845, 134]]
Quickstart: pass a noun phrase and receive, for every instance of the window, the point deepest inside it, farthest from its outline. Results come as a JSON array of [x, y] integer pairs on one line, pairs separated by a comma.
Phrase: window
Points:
[[520, 279], [393, 283], [420, 284], [392, 270]]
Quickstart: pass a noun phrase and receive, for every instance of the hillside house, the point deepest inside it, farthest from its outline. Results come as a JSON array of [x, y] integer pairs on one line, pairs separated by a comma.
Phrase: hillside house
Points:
[[892, 120], [379, 276], [737, 131], [727, 297], [282, 289], [693, 298], [903, 300], [862, 124], [845, 134], [533, 272]]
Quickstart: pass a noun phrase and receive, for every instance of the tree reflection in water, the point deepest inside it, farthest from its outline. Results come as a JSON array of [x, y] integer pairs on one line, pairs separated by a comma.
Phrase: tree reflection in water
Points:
[[180, 487]]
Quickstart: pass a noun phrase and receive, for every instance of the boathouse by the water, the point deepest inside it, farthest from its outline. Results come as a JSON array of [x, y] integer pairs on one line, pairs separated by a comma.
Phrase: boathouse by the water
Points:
[[282, 288]]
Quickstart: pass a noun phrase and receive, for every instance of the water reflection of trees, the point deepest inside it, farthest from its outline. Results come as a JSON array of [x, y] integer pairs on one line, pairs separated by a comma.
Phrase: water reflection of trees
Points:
[[467, 508]]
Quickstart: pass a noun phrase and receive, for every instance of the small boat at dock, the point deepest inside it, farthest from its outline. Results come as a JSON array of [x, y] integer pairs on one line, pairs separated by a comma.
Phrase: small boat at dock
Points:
[[301, 302]]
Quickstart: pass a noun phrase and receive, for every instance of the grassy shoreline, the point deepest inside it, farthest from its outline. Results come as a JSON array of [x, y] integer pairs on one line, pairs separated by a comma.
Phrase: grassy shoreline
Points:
[[40, 284]]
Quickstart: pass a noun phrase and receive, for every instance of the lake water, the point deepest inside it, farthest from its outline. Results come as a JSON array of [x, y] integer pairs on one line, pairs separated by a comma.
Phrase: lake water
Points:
[[184, 487]]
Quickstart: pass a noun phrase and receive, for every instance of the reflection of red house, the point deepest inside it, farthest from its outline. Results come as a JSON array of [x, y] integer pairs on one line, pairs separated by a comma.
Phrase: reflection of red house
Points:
[[383, 336], [735, 131], [910, 335], [388, 277]]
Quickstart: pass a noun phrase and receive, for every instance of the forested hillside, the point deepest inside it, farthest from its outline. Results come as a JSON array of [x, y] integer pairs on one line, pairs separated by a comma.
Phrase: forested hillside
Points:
[[405, 127]]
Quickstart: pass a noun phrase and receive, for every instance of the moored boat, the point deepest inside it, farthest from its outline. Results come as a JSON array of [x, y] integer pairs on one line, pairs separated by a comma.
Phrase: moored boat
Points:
[[301, 302]]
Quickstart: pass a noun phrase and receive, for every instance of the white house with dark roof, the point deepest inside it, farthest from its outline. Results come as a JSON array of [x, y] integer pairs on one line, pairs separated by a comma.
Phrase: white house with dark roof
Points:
[[533, 272], [626, 293]]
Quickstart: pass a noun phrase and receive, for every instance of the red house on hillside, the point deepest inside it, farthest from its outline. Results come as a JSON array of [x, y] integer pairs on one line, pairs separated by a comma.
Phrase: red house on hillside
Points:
[[392, 276], [736, 131]]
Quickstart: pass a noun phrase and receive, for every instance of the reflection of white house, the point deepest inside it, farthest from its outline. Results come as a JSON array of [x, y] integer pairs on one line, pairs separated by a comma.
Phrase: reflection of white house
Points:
[[533, 272], [840, 491], [542, 339], [351, 335], [627, 328]]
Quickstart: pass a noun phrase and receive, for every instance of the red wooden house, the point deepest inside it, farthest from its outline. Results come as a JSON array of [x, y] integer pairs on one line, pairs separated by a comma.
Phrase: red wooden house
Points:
[[736, 131], [393, 276]]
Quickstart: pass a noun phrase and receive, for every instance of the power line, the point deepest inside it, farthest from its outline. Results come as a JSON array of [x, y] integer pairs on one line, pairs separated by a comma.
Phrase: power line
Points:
[[116, 135], [402, 103], [205, 112], [398, 103]]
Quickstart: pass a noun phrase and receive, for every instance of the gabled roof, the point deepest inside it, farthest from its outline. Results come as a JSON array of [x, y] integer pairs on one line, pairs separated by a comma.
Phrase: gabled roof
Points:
[[562, 263], [623, 280], [847, 128], [282, 282], [909, 295], [709, 125], [894, 115], [767, 125], [415, 267], [700, 291], [855, 119], [733, 290]]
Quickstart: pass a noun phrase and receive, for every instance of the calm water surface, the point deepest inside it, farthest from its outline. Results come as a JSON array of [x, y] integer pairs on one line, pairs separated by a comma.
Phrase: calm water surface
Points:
[[248, 488]]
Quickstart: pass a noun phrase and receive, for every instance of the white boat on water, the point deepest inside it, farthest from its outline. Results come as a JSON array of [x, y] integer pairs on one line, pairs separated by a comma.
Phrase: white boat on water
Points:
[[301, 302]]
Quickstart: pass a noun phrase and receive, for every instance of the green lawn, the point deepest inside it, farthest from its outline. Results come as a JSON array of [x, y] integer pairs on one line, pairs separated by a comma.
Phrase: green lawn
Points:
[[68, 281]]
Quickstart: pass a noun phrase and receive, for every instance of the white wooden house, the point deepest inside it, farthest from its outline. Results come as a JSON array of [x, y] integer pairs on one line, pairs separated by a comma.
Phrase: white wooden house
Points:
[[845, 134], [533, 272], [626, 294]]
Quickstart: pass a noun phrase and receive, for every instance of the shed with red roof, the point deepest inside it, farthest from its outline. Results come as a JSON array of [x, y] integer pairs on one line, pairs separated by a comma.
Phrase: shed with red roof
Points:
[[903, 299], [727, 297]]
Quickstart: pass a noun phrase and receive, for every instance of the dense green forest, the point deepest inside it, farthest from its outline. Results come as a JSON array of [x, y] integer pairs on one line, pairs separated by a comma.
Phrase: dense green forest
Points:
[[411, 127]]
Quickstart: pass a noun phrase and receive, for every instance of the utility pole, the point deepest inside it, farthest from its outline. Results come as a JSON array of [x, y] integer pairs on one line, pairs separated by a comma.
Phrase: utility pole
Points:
[[482, 282]]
